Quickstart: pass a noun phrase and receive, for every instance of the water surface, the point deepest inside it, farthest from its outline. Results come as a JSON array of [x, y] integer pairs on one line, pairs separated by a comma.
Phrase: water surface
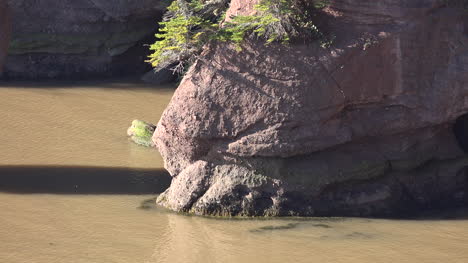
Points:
[[111, 228], [72, 187], [77, 124]]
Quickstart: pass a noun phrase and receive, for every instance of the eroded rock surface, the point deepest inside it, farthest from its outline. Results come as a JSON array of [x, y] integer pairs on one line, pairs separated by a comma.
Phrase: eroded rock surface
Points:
[[363, 128], [80, 38]]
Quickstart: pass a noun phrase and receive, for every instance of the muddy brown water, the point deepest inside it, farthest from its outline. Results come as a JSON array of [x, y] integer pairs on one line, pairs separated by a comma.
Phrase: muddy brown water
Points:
[[71, 185]]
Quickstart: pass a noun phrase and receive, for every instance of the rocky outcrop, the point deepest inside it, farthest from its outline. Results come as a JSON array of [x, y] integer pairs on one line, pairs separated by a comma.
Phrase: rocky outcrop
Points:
[[363, 128], [5, 31], [81, 38]]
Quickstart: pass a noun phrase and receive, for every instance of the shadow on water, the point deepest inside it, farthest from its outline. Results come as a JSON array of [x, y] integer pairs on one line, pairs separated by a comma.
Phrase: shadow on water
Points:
[[82, 180]]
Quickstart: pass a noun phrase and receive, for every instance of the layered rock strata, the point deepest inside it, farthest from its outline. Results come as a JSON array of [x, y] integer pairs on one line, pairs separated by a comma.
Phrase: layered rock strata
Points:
[[81, 38]]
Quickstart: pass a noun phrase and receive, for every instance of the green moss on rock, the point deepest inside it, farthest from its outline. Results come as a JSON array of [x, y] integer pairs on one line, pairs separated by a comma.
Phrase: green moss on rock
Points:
[[141, 133]]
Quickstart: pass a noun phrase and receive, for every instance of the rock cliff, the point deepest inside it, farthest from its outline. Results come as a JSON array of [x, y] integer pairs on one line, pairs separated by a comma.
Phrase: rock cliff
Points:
[[5, 28], [80, 38], [363, 128]]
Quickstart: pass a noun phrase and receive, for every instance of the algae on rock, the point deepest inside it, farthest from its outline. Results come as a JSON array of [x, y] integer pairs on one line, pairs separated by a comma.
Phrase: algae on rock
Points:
[[141, 132]]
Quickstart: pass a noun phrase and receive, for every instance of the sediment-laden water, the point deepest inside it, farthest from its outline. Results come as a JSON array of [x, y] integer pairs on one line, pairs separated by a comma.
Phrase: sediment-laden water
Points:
[[77, 124], [73, 189]]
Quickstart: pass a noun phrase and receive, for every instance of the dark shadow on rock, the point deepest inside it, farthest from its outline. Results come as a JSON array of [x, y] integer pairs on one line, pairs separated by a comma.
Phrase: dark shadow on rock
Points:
[[5, 32], [82, 180], [460, 129], [460, 213]]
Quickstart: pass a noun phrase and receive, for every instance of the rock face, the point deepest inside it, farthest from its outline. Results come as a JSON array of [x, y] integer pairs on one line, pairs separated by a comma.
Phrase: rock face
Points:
[[363, 128], [80, 38], [5, 31]]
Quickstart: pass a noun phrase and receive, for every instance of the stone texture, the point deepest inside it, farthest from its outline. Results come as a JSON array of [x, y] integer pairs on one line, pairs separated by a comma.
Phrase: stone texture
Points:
[[80, 38], [5, 31], [363, 128]]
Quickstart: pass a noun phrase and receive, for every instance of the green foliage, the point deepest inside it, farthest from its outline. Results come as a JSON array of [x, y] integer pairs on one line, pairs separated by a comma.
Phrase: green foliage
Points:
[[179, 35], [141, 132], [275, 21], [266, 23], [240, 27], [190, 24]]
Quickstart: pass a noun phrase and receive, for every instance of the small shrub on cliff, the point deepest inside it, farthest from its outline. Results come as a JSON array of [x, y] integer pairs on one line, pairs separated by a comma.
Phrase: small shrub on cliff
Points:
[[275, 20], [190, 24], [181, 34]]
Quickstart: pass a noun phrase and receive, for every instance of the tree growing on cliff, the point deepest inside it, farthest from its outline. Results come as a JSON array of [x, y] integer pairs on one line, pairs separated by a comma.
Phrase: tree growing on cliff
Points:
[[190, 24], [186, 26]]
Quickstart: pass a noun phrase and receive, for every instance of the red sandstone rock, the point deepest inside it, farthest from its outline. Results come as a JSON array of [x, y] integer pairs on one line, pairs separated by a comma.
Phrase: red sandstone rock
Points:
[[303, 130]]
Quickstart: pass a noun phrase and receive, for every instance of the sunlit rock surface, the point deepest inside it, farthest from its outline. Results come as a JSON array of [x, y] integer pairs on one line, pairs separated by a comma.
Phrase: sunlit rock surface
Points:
[[363, 128]]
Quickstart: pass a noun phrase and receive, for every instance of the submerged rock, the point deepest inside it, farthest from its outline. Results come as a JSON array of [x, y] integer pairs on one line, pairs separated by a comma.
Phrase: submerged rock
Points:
[[141, 132], [272, 228], [148, 204], [363, 128]]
